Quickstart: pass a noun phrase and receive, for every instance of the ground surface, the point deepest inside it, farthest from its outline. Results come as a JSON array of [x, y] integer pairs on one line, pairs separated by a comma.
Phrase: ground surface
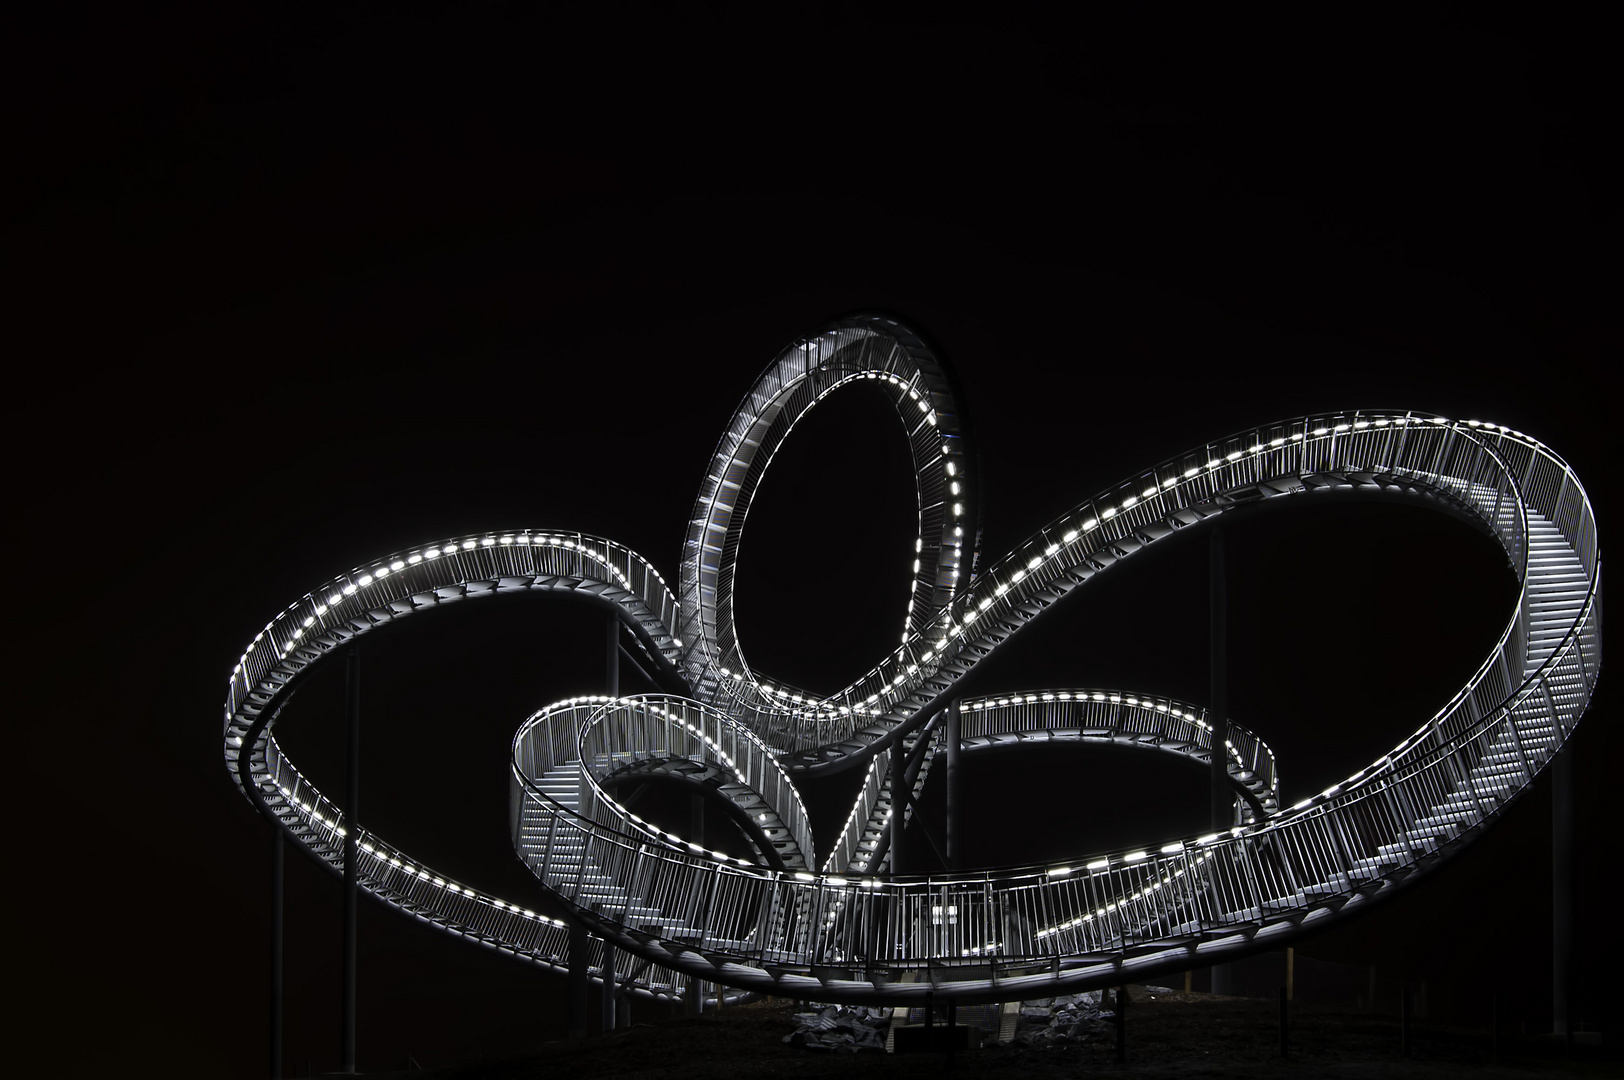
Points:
[[1175, 1035]]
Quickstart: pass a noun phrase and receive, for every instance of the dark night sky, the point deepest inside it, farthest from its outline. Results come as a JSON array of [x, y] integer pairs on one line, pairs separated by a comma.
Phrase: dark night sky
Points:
[[296, 296]]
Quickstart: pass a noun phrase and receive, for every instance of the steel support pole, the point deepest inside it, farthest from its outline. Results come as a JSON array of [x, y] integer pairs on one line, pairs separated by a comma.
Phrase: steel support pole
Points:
[[899, 803], [1223, 799], [1223, 814], [955, 782], [1121, 1018], [278, 859], [1562, 895], [352, 830], [616, 1011], [578, 981], [608, 1019], [694, 1003]]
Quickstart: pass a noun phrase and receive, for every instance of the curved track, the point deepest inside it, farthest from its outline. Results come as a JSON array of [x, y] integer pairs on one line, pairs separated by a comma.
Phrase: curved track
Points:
[[849, 933]]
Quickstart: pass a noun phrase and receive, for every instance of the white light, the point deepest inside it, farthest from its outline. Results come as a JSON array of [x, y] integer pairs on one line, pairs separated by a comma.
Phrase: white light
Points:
[[1099, 864]]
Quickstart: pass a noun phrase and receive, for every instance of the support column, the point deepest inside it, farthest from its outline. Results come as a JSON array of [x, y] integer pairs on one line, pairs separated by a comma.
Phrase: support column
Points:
[[1562, 895], [955, 781], [611, 675], [1223, 813], [352, 830], [609, 956], [578, 981], [695, 1001], [899, 803], [278, 858]]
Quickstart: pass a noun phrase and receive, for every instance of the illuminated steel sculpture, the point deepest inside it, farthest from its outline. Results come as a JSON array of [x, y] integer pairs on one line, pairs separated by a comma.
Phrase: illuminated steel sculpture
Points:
[[841, 928]]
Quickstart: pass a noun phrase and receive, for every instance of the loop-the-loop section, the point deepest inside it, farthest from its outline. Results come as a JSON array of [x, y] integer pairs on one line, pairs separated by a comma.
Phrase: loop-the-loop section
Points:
[[850, 932]]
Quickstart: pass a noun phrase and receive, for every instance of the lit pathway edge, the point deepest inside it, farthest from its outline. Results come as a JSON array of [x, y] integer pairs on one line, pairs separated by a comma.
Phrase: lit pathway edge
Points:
[[852, 933]]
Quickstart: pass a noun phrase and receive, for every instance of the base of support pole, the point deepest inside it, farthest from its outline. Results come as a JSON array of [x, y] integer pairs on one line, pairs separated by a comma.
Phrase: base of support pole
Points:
[[579, 983], [1283, 998]]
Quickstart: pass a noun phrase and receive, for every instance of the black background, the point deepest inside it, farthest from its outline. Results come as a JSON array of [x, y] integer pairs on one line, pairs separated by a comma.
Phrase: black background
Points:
[[289, 297]]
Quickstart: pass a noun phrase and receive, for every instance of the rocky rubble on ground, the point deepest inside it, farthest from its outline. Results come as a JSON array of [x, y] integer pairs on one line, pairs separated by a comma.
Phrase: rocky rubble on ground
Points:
[[1047, 1021], [840, 1028]]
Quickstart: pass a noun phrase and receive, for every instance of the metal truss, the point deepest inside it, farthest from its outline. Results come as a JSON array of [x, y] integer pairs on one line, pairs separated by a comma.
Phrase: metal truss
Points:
[[847, 931]]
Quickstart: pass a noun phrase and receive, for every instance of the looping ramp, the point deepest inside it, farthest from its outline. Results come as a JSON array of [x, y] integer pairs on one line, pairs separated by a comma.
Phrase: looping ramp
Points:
[[849, 932]]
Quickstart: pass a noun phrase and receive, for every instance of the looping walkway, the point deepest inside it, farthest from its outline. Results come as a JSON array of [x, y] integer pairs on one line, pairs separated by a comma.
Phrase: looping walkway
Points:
[[849, 933]]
